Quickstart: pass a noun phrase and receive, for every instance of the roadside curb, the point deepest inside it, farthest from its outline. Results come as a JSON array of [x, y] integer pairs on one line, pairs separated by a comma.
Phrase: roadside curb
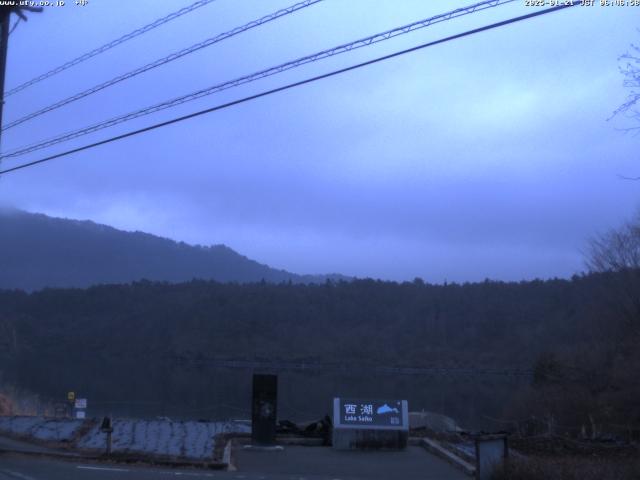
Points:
[[438, 450], [34, 453], [227, 456], [123, 459]]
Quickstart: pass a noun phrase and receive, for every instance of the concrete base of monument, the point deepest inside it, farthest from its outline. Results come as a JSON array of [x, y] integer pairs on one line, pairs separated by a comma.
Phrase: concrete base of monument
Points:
[[369, 439], [263, 448]]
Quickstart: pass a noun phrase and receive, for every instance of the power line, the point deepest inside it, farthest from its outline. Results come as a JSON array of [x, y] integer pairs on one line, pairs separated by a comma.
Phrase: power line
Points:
[[381, 369], [290, 86], [164, 60], [110, 45], [363, 42]]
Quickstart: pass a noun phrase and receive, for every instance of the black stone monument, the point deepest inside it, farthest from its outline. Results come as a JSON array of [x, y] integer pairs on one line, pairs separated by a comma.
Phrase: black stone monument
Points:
[[264, 409]]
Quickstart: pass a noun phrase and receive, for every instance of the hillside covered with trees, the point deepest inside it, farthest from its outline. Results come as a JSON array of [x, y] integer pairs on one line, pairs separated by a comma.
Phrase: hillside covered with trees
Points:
[[40, 251], [148, 340], [562, 351]]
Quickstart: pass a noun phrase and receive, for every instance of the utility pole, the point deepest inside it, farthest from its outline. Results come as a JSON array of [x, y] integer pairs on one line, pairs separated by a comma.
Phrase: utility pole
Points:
[[5, 17], [4, 38]]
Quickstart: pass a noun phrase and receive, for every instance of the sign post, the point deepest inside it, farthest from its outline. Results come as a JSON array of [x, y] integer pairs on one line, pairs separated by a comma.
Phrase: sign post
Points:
[[71, 398], [107, 427], [80, 408], [370, 424]]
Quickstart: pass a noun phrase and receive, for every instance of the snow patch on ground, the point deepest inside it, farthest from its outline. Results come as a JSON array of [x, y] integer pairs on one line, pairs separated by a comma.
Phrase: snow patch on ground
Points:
[[188, 439], [41, 428], [468, 449], [433, 421]]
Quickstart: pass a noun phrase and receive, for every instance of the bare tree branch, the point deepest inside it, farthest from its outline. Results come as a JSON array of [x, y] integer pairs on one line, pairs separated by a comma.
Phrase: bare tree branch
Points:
[[630, 70]]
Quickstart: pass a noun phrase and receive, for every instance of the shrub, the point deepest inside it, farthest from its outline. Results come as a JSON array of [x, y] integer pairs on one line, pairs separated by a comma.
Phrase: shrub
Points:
[[569, 468]]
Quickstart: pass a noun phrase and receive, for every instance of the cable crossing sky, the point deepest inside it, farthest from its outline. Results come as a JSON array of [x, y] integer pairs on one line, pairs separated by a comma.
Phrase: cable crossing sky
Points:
[[363, 42], [166, 59], [108, 46], [290, 86]]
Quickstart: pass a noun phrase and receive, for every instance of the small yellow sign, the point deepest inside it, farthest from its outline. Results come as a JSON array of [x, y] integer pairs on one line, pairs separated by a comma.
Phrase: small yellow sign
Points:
[[71, 396]]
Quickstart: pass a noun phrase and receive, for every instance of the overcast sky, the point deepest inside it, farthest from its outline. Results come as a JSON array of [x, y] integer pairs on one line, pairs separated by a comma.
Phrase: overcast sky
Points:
[[485, 157]]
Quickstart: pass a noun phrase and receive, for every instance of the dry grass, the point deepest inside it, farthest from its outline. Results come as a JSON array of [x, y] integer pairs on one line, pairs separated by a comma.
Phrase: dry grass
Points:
[[6, 407], [14, 401], [569, 468]]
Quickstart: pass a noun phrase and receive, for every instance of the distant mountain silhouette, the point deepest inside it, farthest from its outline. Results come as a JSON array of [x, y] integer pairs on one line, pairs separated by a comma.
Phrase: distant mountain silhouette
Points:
[[37, 251]]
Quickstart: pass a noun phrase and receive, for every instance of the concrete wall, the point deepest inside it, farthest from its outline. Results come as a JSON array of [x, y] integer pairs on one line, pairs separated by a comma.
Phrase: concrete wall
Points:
[[355, 439]]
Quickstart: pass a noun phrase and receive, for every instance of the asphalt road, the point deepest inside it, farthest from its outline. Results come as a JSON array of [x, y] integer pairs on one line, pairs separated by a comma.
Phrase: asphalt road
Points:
[[413, 463], [14, 467], [17, 467], [292, 463]]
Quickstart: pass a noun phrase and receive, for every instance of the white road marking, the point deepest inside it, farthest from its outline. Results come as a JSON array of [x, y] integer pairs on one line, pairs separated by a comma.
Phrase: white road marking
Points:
[[178, 474], [160, 472], [106, 469], [189, 474], [19, 475]]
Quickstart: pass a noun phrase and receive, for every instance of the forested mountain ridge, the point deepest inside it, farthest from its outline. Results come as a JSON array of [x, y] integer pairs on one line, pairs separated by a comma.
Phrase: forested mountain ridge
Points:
[[481, 324], [40, 251], [149, 340]]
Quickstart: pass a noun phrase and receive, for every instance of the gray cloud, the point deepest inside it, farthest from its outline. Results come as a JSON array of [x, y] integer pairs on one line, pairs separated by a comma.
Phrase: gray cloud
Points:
[[487, 157]]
